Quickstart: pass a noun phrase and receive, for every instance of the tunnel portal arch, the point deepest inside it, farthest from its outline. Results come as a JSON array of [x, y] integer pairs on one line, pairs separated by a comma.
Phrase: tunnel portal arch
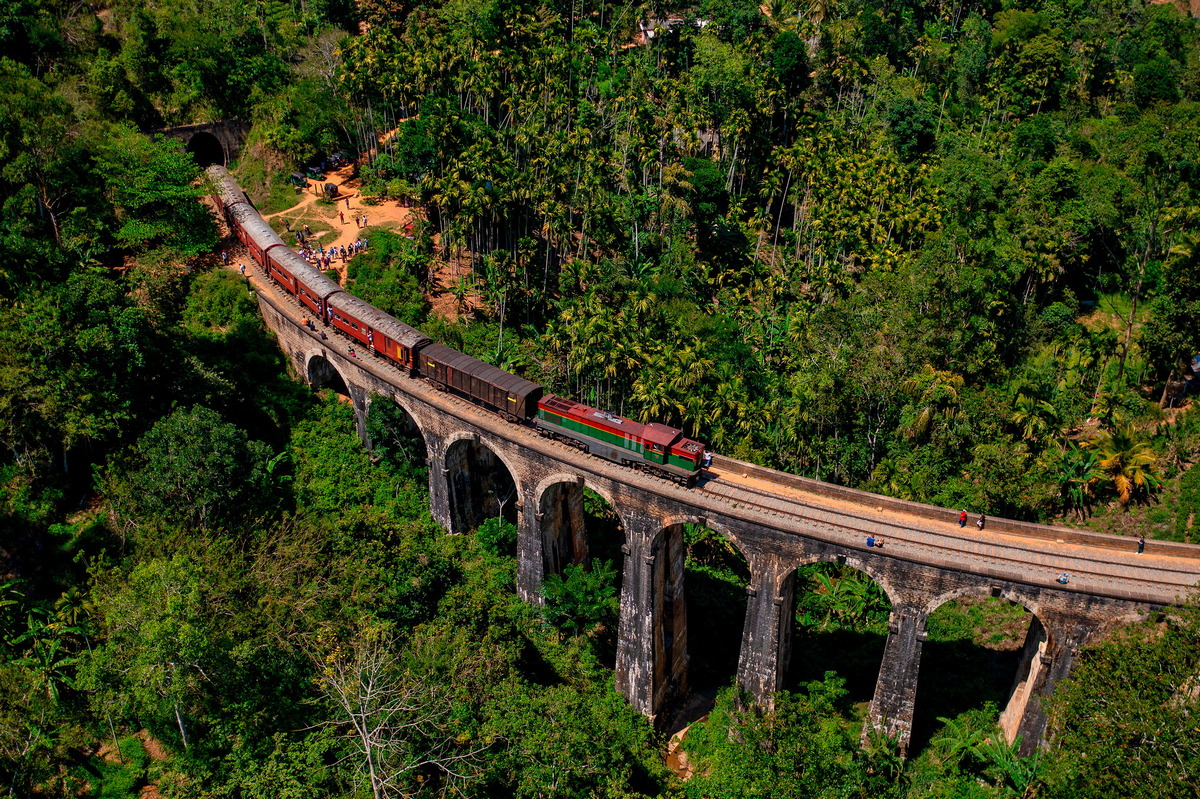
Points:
[[206, 149]]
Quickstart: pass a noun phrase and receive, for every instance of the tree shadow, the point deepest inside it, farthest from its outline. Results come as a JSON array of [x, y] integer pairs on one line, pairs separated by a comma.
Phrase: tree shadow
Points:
[[855, 655]]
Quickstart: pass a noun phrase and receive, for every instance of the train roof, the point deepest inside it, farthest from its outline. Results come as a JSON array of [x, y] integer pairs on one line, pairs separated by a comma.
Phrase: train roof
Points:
[[653, 433], [257, 228], [305, 272], [226, 186], [483, 371], [405, 335]]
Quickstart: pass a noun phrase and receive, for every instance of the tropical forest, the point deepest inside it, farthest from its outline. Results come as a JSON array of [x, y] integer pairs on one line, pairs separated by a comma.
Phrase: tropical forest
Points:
[[943, 251]]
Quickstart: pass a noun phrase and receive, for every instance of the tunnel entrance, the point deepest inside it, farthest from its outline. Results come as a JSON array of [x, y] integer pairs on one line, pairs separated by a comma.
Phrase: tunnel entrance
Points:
[[481, 487], [840, 625], [971, 664], [206, 149], [322, 374]]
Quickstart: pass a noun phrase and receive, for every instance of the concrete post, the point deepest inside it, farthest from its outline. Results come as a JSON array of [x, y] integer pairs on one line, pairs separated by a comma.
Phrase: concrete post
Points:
[[767, 633], [891, 710]]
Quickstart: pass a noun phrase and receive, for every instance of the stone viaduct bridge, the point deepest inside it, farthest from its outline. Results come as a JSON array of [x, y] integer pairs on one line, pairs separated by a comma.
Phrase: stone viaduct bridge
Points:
[[778, 522]]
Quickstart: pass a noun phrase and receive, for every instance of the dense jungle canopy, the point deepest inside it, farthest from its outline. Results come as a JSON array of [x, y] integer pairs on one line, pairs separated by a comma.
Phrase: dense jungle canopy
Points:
[[942, 251]]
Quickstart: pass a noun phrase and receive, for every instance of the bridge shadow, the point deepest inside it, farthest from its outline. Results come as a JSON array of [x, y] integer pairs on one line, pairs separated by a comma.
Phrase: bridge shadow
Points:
[[855, 655], [970, 659], [955, 677], [840, 626]]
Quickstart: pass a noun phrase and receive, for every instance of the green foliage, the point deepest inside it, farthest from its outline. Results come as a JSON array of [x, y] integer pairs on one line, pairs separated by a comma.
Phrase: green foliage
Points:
[[582, 597], [1126, 716], [1187, 517], [833, 597], [498, 537], [883, 245], [802, 748], [911, 126], [388, 275], [192, 471], [150, 186]]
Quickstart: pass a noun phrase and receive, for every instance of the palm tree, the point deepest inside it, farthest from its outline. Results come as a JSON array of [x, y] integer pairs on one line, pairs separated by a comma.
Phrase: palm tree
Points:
[[938, 398], [1035, 417], [1077, 471], [1127, 460]]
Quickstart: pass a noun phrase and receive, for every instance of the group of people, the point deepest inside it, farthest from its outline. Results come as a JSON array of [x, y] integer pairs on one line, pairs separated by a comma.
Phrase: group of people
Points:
[[322, 257]]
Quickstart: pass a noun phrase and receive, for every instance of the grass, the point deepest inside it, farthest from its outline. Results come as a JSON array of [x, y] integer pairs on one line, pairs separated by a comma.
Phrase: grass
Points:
[[270, 191], [113, 779], [990, 622], [281, 196], [315, 223]]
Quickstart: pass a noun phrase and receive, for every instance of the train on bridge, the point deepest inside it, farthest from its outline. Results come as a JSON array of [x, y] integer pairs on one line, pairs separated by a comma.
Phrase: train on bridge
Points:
[[655, 448]]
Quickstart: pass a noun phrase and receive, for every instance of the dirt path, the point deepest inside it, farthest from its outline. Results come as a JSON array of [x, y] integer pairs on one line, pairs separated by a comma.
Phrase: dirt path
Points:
[[344, 222]]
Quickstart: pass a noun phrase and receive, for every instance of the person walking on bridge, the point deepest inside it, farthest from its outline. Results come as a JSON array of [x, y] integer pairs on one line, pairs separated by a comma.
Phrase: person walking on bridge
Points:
[[962, 518], [982, 521]]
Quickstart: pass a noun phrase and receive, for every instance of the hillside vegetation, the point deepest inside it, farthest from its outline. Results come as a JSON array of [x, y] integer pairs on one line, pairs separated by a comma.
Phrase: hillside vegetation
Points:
[[947, 252]]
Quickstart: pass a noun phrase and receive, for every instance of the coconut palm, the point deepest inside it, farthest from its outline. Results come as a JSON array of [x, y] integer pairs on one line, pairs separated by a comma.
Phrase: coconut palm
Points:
[[938, 394], [1035, 417], [1128, 461]]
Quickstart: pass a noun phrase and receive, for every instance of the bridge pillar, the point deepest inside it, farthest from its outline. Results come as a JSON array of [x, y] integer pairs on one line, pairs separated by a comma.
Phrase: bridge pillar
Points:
[[652, 632], [891, 710], [439, 486], [530, 563], [362, 407], [1050, 649], [767, 633]]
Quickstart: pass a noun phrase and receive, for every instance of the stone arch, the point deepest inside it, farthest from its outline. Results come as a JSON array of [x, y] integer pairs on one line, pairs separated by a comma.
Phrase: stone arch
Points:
[[206, 149], [1027, 671], [895, 595], [1027, 601], [481, 482], [413, 427], [856, 652], [320, 372], [561, 521]]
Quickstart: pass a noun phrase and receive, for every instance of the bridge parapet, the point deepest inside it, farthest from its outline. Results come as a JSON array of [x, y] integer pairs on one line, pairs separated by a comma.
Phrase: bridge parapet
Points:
[[926, 562]]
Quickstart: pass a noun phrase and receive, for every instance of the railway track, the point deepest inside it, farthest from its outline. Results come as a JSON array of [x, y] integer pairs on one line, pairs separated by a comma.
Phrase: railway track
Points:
[[1012, 557], [1090, 568]]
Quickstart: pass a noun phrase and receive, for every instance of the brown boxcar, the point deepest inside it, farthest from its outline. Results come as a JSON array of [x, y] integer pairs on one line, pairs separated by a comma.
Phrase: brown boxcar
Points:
[[490, 386]]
